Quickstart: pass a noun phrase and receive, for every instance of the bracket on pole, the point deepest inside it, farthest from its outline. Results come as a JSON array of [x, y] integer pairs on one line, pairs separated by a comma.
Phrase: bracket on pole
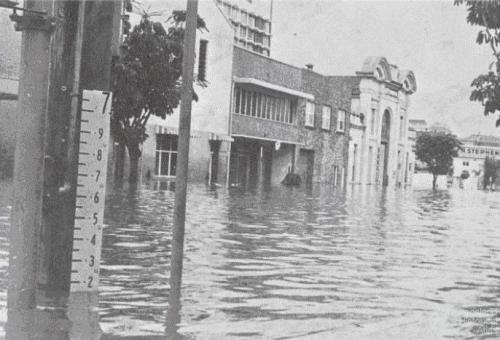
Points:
[[31, 20]]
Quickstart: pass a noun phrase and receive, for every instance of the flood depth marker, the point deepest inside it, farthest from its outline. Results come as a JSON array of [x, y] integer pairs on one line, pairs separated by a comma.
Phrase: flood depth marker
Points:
[[91, 190]]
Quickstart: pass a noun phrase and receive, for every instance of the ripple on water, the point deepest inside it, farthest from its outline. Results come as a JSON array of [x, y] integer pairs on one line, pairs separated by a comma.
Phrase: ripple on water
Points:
[[287, 263]]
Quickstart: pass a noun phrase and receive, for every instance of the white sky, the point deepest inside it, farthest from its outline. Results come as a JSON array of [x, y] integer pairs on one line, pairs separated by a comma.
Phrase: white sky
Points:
[[432, 38]]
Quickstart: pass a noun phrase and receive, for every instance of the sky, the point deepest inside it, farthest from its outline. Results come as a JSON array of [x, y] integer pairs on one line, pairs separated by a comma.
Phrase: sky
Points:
[[431, 38]]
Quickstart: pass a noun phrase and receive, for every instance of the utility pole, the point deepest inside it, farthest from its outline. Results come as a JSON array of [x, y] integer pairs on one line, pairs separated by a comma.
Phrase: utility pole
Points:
[[54, 69], [37, 80], [182, 163]]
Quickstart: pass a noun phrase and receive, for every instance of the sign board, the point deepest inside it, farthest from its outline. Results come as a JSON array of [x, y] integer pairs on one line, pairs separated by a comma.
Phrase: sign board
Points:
[[90, 193]]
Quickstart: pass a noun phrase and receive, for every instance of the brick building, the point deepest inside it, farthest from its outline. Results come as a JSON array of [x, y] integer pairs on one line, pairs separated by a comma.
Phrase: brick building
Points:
[[287, 119]]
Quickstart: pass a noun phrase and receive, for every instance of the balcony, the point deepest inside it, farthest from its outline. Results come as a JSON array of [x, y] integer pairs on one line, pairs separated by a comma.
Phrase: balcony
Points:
[[261, 128]]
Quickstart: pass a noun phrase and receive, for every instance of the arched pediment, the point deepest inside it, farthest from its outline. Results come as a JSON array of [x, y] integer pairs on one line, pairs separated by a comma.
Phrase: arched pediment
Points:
[[408, 81], [379, 67]]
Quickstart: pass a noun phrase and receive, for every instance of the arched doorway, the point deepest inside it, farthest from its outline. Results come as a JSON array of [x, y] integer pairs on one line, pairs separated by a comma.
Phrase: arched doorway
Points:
[[384, 146]]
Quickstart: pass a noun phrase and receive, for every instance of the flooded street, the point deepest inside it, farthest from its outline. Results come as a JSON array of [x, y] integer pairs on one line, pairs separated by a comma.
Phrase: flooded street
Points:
[[295, 263]]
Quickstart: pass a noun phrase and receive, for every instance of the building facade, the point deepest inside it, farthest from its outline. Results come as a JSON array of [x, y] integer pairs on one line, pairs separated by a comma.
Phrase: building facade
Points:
[[287, 119], [210, 140], [251, 21], [475, 149], [381, 154]]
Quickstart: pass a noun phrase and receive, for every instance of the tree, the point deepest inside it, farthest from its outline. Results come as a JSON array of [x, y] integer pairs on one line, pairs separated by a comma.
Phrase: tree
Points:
[[490, 171], [146, 81], [486, 13], [437, 150]]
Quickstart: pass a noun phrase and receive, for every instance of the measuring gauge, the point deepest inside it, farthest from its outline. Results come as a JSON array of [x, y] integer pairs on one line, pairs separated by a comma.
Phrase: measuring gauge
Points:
[[90, 192]]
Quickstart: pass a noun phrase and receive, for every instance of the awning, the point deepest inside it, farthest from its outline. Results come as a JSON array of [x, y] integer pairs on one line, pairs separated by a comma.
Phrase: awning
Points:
[[214, 136], [170, 130], [268, 139], [274, 87]]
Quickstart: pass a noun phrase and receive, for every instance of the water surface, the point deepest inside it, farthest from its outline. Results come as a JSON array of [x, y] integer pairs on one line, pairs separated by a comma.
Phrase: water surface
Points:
[[288, 263]]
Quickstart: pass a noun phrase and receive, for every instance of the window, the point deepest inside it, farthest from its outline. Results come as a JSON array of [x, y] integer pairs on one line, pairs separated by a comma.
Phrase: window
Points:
[[325, 121], [465, 163], [261, 105], [265, 41], [341, 121], [258, 38], [401, 127], [260, 23], [237, 100], [202, 61], [243, 17], [234, 13], [251, 20], [309, 114], [267, 27], [354, 161], [166, 155], [372, 121], [243, 32], [250, 35]]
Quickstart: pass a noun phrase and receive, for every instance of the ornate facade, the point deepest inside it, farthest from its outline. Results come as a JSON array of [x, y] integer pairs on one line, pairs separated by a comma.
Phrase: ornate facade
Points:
[[381, 152]]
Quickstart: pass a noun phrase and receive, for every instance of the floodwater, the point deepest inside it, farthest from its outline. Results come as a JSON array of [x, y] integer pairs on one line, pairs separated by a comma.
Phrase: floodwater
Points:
[[317, 263]]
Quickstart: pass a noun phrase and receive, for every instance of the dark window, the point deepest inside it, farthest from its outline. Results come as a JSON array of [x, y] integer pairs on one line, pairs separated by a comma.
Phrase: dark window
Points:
[[166, 154], [202, 61]]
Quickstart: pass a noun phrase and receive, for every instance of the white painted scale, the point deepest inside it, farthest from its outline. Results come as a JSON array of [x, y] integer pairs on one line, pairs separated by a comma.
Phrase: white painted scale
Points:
[[90, 193]]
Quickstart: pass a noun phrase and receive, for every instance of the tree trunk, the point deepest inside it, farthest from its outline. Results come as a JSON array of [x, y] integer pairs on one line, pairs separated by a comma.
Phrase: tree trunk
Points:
[[119, 163], [134, 154], [434, 180]]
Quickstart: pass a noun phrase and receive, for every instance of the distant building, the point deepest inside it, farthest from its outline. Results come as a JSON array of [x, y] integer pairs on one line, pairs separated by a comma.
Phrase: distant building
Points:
[[381, 153], [417, 125], [439, 127], [251, 21], [475, 149]]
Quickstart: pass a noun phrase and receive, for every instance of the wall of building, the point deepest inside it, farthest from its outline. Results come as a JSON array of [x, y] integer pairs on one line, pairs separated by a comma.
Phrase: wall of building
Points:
[[375, 94], [199, 157], [210, 114], [211, 111], [247, 64], [330, 146]]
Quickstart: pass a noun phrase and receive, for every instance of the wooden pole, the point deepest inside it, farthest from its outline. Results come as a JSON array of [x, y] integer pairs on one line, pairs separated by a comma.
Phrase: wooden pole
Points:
[[47, 142], [26, 212], [182, 161]]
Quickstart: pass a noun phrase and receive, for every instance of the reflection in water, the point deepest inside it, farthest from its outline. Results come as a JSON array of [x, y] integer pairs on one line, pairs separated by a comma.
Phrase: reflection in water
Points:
[[290, 263]]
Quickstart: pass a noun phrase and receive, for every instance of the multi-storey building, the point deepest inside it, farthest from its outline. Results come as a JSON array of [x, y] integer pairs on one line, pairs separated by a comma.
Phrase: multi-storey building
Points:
[[475, 149], [251, 22], [210, 140], [260, 119], [382, 96], [287, 119]]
